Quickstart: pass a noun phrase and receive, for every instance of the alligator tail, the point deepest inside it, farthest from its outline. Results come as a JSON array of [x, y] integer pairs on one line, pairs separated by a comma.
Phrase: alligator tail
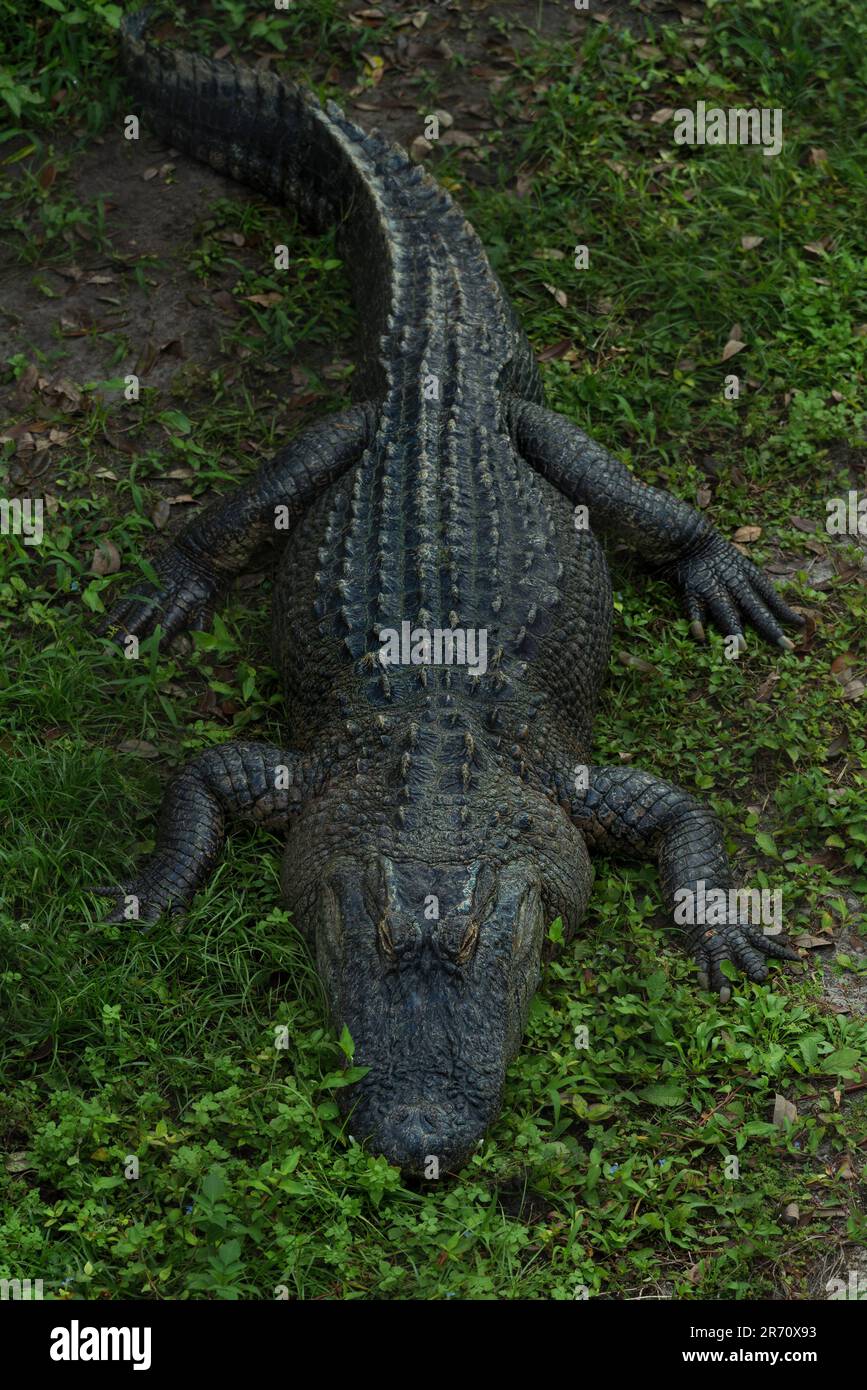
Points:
[[406, 246], [276, 137], [259, 129]]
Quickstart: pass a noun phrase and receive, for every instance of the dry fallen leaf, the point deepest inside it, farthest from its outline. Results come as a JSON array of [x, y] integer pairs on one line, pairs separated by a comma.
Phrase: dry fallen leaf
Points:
[[25, 386], [523, 183], [846, 572], [837, 745], [749, 243], [106, 559], [559, 295], [459, 139], [140, 747], [783, 1110], [63, 394], [160, 514], [563, 348], [734, 345], [638, 663], [853, 688], [841, 662], [747, 534], [266, 301], [19, 1162], [225, 301], [767, 686]]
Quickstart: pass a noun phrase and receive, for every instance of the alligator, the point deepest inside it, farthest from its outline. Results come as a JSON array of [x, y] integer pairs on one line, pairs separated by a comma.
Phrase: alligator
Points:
[[439, 814]]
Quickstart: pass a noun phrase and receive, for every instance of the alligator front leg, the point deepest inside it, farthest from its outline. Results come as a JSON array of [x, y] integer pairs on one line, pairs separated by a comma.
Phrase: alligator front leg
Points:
[[251, 781], [195, 569], [625, 811], [712, 576]]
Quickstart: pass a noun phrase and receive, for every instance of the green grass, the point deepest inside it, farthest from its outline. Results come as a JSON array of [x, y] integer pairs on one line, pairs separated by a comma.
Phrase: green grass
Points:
[[607, 1172]]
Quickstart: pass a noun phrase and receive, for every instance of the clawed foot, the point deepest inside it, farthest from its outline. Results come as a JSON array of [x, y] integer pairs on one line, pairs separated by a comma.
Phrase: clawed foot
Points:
[[743, 946], [138, 901], [184, 599], [717, 581]]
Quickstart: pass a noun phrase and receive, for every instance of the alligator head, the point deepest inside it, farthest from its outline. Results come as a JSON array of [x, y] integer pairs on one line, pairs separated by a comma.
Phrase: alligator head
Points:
[[432, 970]]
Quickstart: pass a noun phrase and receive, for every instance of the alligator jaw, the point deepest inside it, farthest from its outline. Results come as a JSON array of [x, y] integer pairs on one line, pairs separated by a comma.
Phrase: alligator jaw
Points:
[[435, 1006]]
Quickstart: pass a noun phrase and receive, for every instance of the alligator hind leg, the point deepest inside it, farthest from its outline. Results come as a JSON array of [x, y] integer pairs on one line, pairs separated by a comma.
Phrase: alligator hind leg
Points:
[[713, 577], [195, 569], [625, 811], [251, 781]]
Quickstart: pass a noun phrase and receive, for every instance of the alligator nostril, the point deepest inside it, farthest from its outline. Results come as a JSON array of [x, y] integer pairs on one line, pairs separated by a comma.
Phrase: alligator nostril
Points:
[[424, 1117], [412, 1135]]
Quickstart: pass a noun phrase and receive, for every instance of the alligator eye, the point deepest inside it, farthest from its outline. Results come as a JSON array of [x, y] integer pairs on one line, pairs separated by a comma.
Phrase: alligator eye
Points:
[[468, 942], [383, 936]]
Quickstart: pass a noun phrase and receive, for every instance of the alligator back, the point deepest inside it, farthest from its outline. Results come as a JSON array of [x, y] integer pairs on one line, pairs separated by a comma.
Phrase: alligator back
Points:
[[441, 525]]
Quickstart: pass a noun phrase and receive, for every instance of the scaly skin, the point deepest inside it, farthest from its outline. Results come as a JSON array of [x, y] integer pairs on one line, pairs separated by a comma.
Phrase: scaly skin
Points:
[[434, 825]]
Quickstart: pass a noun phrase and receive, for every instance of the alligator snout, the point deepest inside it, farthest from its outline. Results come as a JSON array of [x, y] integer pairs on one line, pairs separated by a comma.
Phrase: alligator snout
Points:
[[429, 1140], [434, 1001]]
